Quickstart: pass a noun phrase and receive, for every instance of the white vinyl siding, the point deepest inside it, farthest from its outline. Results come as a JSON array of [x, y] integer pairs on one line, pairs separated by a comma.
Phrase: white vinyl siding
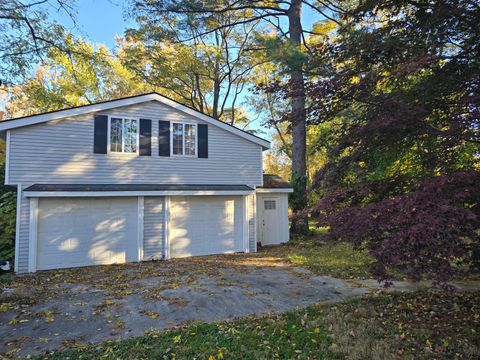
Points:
[[154, 228], [23, 234], [252, 231], [61, 152]]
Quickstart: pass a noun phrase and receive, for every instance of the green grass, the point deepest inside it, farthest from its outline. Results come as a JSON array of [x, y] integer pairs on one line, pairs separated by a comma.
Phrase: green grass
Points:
[[406, 325], [337, 259], [286, 336]]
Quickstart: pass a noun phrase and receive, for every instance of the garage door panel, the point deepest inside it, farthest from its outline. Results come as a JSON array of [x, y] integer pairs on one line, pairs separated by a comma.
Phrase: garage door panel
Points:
[[81, 232], [205, 225]]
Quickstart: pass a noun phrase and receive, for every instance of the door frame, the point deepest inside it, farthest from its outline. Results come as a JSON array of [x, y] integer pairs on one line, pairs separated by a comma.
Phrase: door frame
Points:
[[32, 238]]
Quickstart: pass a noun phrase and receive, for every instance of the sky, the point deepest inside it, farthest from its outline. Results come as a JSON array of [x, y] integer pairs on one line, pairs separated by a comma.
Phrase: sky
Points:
[[101, 21]]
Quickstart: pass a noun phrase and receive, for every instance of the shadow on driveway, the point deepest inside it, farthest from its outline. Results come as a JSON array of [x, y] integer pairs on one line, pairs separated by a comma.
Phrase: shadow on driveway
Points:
[[55, 309]]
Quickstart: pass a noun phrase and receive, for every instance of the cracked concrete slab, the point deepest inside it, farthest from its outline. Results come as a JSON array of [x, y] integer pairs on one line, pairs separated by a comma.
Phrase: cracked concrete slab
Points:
[[85, 314]]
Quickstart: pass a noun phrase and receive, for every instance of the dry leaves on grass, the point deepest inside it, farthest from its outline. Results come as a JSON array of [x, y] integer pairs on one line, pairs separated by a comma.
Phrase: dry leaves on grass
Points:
[[425, 324]]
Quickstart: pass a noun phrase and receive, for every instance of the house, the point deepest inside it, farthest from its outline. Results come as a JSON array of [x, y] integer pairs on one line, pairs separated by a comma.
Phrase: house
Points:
[[134, 179]]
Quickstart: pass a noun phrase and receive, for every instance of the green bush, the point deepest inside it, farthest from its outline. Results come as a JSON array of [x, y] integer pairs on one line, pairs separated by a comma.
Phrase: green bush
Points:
[[8, 202]]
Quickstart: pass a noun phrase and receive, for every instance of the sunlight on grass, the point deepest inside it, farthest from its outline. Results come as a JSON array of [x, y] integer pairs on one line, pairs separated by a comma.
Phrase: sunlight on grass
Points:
[[338, 260], [323, 256]]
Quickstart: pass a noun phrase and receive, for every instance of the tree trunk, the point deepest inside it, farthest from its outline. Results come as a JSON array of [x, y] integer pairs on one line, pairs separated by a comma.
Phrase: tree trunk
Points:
[[299, 129], [199, 92], [216, 94], [216, 79]]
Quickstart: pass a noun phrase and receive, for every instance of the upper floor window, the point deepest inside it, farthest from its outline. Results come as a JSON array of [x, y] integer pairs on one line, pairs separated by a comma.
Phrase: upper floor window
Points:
[[184, 139], [123, 135]]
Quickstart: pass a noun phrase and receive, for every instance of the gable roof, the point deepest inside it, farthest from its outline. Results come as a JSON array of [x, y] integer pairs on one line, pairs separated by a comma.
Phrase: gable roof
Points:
[[126, 101]]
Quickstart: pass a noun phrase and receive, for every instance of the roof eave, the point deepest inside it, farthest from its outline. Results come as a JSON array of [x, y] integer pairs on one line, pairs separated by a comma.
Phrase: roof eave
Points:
[[111, 104]]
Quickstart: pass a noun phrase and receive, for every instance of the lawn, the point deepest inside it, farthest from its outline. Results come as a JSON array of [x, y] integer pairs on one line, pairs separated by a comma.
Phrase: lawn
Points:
[[378, 326], [337, 259]]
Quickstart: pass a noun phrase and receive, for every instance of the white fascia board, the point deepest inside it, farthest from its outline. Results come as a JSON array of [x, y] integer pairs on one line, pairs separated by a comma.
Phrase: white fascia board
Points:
[[281, 190], [36, 194], [36, 119]]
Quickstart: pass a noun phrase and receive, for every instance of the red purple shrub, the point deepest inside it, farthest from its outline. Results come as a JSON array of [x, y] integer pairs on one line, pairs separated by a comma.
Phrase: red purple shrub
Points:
[[421, 232]]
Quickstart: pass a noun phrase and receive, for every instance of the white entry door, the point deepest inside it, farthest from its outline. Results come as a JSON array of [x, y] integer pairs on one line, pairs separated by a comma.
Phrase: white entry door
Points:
[[86, 231], [271, 227], [205, 225]]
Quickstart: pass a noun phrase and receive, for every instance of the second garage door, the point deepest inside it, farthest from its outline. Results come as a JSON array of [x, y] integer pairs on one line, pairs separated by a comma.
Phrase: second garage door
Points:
[[204, 225], [87, 231]]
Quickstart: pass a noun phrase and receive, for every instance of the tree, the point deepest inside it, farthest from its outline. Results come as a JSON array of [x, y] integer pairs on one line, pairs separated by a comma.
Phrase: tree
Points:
[[8, 200], [403, 176], [206, 72], [240, 13], [26, 35], [78, 74]]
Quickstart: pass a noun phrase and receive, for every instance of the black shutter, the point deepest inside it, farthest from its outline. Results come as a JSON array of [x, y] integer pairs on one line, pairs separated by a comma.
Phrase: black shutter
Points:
[[202, 141], [164, 138], [145, 137], [100, 134]]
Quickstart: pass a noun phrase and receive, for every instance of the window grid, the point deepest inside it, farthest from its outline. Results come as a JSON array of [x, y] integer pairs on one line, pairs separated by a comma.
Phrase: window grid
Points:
[[177, 133], [184, 139], [123, 135], [269, 204]]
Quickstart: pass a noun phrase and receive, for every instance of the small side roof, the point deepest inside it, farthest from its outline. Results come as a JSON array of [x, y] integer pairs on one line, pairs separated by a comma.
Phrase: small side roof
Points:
[[115, 190], [273, 181], [126, 101], [135, 187]]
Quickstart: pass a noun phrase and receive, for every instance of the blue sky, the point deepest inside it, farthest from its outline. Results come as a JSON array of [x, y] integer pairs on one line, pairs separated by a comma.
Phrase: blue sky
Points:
[[97, 20], [100, 21]]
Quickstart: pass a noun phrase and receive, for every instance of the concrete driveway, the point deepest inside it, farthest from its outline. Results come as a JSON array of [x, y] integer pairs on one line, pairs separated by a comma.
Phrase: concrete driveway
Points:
[[55, 309]]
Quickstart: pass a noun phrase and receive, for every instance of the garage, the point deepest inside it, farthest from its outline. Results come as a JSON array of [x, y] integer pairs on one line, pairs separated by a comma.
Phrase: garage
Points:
[[204, 225], [75, 232]]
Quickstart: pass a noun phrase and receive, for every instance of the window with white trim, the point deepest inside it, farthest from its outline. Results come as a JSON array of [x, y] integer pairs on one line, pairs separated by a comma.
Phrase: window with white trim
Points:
[[123, 135], [270, 204], [184, 139]]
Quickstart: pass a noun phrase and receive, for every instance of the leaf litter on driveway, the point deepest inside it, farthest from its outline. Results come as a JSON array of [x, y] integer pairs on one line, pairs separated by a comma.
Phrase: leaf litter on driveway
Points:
[[98, 303]]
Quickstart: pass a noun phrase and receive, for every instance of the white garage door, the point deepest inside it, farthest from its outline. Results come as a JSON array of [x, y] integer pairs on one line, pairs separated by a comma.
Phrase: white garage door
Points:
[[204, 225], [88, 231]]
